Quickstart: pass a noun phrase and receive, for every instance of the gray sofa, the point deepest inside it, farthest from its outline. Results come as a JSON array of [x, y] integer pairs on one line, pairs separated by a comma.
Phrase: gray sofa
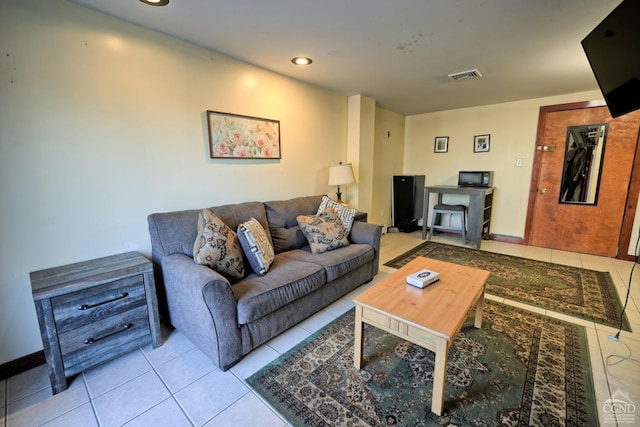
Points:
[[227, 320]]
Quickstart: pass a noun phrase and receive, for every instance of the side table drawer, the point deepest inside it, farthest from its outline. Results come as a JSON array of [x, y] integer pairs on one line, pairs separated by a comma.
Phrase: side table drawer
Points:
[[96, 341], [81, 308]]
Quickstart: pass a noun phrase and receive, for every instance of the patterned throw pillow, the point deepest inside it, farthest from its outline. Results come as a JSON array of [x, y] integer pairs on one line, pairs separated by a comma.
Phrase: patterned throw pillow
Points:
[[256, 246], [344, 212], [217, 246], [324, 231]]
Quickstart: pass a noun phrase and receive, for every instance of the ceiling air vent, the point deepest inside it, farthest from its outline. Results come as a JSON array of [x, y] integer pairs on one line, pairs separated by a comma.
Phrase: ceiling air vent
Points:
[[470, 74]]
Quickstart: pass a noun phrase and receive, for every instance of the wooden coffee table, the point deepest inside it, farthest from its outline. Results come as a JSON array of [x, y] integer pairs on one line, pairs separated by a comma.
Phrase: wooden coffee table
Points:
[[430, 317]]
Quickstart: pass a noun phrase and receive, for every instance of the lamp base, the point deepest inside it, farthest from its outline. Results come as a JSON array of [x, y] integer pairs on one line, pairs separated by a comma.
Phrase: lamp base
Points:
[[339, 194]]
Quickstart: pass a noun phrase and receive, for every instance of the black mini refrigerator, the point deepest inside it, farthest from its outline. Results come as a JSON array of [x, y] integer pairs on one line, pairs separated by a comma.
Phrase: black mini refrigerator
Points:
[[407, 193]]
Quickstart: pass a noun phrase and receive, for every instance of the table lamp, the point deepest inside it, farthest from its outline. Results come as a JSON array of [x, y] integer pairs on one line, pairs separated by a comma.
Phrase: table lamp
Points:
[[341, 174]]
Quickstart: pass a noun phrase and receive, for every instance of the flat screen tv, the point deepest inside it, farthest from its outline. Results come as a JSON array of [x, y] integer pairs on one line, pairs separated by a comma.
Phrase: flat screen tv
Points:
[[613, 51]]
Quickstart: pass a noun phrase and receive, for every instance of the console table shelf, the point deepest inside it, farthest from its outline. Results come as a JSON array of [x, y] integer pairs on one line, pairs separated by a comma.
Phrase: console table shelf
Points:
[[94, 311], [480, 206]]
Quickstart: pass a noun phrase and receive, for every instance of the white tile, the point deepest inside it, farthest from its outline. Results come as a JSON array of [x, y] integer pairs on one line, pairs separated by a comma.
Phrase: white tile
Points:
[[28, 382], [494, 298], [524, 306], [513, 250], [80, 416], [41, 407], [250, 407], [592, 338], [599, 375], [339, 307], [540, 254], [130, 400], [316, 322], [210, 395], [111, 374], [570, 319], [621, 365], [185, 369], [598, 263], [165, 414], [566, 258], [173, 345], [254, 361], [288, 339]]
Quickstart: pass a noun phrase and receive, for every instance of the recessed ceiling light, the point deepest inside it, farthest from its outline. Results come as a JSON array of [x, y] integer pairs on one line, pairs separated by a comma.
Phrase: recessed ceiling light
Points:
[[156, 2], [301, 60]]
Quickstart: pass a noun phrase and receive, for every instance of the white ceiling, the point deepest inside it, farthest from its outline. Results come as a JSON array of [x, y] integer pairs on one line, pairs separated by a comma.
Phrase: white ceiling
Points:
[[397, 52]]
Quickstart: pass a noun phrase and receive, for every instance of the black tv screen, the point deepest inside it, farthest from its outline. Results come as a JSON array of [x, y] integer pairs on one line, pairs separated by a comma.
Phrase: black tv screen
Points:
[[613, 51]]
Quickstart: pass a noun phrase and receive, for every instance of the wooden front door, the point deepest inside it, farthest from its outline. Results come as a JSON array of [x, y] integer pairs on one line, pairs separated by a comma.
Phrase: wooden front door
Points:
[[586, 228]]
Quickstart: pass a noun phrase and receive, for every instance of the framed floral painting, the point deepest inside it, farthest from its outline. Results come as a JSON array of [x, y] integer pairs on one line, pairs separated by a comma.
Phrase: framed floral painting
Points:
[[232, 136]]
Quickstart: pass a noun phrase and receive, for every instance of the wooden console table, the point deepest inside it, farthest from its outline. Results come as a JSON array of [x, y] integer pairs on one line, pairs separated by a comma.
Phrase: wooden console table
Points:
[[480, 205]]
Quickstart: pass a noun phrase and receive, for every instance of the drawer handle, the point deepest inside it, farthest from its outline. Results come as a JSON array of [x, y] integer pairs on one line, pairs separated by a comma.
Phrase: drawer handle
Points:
[[88, 306], [122, 329]]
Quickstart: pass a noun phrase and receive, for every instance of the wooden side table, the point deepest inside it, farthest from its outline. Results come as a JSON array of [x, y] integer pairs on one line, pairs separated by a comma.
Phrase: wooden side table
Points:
[[94, 311]]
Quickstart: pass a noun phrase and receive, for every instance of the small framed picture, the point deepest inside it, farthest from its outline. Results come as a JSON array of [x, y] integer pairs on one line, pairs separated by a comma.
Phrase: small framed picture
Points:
[[481, 143], [441, 144]]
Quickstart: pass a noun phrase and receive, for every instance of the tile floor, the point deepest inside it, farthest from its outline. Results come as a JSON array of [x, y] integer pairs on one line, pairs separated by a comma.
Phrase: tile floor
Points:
[[175, 385]]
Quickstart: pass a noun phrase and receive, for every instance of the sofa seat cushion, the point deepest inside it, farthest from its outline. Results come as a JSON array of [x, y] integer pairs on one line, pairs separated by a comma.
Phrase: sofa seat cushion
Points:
[[337, 262], [286, 281]]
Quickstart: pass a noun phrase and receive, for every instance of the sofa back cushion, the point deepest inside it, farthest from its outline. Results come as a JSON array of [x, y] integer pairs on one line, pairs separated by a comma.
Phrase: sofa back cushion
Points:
[[175, 232], [285, 231]]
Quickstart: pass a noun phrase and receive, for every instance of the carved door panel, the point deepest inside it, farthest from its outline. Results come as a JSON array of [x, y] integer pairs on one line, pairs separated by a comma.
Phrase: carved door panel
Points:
[[586, 228]]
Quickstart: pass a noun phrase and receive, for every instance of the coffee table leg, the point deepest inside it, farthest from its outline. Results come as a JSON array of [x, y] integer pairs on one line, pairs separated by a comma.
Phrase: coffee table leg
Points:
[[357, 339], [479, 310], [439, 377]]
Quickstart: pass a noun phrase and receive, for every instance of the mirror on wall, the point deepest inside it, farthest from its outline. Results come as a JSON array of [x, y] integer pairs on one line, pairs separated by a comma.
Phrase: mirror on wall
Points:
[[584, 152]]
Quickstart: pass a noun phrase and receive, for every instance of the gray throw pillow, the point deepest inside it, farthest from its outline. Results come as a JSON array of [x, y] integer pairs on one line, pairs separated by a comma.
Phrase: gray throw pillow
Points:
[[256, 245]]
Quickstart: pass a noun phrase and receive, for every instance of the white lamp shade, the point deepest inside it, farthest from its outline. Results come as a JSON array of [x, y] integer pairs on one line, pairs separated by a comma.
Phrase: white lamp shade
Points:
[[341, 174]]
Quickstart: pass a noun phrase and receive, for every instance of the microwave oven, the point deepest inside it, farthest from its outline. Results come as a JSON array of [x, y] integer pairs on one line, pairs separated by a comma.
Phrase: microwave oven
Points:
[[475, 178]]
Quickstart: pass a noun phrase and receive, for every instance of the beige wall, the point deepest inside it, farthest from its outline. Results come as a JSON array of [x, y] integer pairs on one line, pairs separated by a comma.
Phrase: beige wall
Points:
[[388, 161], [101, 123], [512, 127], [375, 147]]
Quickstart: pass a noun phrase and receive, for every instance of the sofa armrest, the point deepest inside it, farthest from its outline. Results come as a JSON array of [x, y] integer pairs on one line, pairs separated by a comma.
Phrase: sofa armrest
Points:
[[364, 232], [203, 308]]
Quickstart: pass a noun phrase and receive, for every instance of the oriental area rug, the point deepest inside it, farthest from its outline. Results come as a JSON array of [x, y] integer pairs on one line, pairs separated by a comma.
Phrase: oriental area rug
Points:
[[578, 292], [520, 369]]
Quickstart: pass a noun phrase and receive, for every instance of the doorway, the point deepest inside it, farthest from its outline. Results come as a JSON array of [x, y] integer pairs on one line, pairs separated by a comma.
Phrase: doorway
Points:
[[602, 226]]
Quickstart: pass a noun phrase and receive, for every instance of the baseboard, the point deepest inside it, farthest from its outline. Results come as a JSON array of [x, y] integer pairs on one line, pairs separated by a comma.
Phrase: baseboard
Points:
[[22, 364], [506, 239]]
